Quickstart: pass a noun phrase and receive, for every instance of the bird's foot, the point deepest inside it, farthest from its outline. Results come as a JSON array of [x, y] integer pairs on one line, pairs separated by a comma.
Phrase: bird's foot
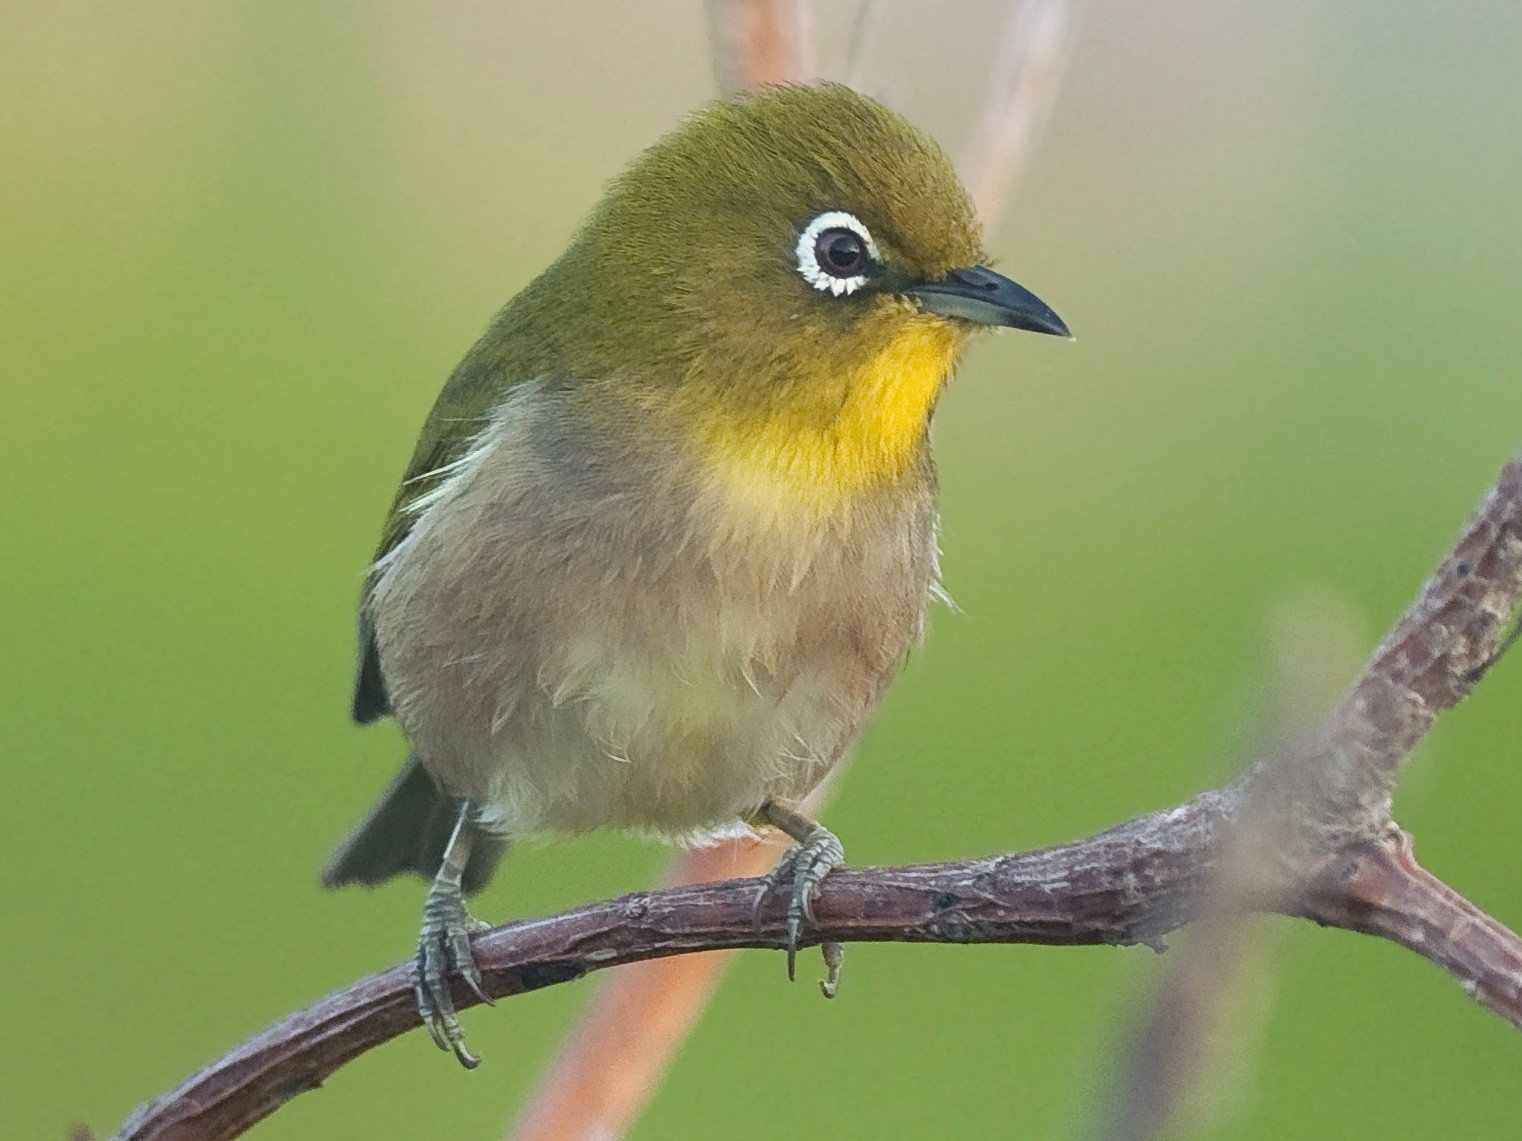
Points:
[[444, 946], [800, 873]]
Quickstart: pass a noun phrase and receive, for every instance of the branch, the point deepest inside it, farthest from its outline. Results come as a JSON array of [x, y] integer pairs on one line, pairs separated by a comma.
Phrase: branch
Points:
[[1342, 863], [1130, 884], [1378, 888]]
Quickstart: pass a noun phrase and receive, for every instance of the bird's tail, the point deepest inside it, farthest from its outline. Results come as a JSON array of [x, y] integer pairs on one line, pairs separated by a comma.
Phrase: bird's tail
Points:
[[406, 831]]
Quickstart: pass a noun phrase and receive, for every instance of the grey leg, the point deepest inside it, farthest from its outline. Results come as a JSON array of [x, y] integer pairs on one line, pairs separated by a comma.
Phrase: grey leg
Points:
[[800, 873], [445, 946]]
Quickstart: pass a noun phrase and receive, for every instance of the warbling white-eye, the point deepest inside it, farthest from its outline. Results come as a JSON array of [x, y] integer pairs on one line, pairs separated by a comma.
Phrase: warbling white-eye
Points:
[[670, 529]]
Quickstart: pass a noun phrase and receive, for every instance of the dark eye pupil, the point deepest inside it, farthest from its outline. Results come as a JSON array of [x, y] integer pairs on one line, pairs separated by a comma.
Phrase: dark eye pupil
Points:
[[841, 253]]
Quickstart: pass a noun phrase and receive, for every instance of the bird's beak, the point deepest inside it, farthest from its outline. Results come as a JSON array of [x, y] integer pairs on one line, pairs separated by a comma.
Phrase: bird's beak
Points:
[[988, 298]]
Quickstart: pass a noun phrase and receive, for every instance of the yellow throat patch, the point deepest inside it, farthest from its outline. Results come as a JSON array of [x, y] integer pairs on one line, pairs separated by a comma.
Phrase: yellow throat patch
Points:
[[793, 465]]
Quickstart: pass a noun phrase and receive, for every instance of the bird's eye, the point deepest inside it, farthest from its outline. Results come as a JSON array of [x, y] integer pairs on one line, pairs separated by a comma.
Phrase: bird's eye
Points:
[[840, 252], [835, 252]]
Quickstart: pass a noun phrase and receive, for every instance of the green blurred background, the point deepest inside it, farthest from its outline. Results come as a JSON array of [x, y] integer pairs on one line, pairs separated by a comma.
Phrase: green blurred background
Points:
[[243, 244]]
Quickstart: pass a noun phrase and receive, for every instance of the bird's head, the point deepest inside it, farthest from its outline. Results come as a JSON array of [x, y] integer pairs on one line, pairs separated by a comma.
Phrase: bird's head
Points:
[[798, 270]]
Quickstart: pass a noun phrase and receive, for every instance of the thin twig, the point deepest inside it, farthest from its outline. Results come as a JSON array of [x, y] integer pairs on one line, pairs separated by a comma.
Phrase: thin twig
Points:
[[1330, 799], [1022, 90], [613, 1060], [760, 42], [1378, 888], [863, 26]]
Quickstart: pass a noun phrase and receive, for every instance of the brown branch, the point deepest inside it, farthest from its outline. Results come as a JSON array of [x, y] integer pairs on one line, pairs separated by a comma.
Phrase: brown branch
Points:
[[1378, 888], [1133, 883], [1342, 863]]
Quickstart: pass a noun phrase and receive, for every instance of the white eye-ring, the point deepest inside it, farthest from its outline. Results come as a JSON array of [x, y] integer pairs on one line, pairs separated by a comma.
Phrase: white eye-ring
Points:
[[834, 253]]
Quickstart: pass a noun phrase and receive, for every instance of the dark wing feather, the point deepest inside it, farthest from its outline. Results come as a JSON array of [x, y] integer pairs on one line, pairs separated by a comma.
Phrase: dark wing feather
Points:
[[406, 831], [371, 701]]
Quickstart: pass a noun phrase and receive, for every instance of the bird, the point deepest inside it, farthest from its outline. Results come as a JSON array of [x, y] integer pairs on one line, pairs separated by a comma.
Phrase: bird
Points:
[[670, 529]]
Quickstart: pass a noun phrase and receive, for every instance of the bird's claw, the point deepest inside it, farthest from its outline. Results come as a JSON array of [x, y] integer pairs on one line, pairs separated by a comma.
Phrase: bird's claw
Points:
[[834, 959], [800, 873], [444, 946]]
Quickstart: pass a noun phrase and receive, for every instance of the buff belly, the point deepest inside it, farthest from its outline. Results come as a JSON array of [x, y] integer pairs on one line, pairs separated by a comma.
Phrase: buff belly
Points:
[[609, 725], [661, 747]]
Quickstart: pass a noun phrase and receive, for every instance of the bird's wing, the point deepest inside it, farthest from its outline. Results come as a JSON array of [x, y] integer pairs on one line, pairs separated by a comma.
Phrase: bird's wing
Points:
[[475, 388]]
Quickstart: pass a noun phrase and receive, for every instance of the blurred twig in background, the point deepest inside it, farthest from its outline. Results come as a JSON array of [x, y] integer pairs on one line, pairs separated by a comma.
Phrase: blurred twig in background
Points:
[[757, 42], [864, 26], [1194, 1035], [1022, 90], [613, 1060]]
